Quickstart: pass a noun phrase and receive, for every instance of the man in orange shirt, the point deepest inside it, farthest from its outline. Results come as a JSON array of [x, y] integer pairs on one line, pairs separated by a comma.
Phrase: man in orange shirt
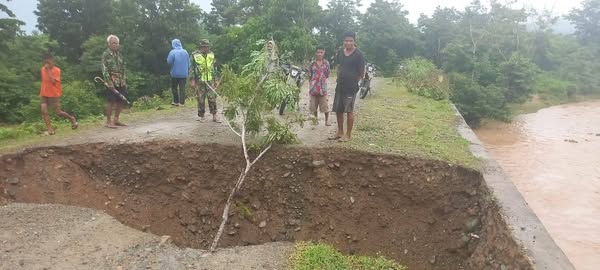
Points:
[[50, 93]]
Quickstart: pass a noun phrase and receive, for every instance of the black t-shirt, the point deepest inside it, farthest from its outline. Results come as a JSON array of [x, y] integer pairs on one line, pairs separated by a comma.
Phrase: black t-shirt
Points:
[[352, 67]]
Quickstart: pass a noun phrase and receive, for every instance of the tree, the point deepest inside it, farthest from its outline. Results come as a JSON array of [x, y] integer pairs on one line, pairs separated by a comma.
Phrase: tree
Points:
[[252, 97], [517, 76], [341, 16], [587, 21], [145, 29], [438, 31], [476, 102], [386, 36], [224, 13], [9, 27], [288, 22], [71, 22]]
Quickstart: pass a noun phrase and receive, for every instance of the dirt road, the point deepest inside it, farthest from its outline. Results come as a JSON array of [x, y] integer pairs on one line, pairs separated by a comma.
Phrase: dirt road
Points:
[[183, 126]]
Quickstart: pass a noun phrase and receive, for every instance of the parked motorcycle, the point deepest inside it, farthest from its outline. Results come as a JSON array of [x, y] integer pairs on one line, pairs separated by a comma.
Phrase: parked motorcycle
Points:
[[365, 84], [295, 76]]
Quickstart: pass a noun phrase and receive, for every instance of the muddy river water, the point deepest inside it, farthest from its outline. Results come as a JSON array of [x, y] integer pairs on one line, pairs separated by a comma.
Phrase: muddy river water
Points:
[[553, 157]]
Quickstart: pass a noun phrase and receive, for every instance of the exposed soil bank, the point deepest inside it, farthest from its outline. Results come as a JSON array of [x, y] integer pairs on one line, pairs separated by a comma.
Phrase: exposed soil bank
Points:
[[425, 214]]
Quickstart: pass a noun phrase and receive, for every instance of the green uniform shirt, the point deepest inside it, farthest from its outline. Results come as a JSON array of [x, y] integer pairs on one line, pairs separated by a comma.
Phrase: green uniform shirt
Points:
[[113, 69]]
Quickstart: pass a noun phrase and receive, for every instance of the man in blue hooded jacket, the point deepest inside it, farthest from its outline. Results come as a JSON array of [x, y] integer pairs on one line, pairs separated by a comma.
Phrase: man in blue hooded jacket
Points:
[[179, 60]]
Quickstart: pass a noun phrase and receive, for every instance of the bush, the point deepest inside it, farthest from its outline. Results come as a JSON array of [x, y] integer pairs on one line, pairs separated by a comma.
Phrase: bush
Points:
[[424, 79], [149, 103], [78, 99], [551, 89], [475, 102], [517, 76]]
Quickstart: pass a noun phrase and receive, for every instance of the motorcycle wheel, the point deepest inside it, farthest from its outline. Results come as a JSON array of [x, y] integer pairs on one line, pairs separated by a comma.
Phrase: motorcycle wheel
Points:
[[363, 92]]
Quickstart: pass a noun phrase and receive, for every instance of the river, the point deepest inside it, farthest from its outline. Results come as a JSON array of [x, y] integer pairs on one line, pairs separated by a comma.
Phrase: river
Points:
[[553, 158]]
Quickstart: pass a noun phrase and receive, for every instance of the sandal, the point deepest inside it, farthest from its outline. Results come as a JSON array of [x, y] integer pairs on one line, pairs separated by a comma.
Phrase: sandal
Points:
[[119, 124], [75, 124], [336, 137]]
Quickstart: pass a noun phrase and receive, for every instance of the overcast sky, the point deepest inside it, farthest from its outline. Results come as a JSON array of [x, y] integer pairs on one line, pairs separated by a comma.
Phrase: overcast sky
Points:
[[24, 8]]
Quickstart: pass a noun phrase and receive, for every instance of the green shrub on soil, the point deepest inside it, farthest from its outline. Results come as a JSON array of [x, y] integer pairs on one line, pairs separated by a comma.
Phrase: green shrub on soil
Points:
[[423, 78], [309, 256]]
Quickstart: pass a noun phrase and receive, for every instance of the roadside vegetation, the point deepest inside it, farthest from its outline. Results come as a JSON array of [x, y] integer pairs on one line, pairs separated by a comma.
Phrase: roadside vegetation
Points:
[[310, 256], [394, 120]]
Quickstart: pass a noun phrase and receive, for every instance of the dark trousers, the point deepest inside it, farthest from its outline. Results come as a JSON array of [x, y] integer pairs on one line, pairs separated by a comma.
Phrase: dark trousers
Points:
[[178, 96]]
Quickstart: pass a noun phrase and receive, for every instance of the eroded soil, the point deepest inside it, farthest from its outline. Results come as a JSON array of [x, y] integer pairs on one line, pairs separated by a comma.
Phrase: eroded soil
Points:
[[425, 214]]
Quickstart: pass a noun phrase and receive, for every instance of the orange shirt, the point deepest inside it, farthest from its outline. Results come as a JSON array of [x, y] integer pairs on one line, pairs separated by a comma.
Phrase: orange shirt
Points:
[[49, 89]]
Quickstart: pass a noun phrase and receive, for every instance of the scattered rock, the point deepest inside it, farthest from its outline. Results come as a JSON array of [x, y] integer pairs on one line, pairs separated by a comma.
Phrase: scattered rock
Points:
[[237, 225], [145, 228], [232, 233], [297, 229], [43, 154], [352, 200], [432, 259], [13, 181], [318, 163], [293, 222], [571, 141], [405, 251], [164, 240], [262, 224], [192, 228], [286, 174]]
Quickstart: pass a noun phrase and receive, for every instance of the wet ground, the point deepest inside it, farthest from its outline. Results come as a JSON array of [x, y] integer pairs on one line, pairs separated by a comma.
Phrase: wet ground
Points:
[[552, 157]]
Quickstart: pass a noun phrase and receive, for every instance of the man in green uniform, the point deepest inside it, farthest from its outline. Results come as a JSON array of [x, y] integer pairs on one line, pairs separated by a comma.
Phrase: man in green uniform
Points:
[[113, 71], [204, 72]]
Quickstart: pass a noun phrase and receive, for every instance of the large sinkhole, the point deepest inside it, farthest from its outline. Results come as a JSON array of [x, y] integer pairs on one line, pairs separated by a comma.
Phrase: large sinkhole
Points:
[[424, 214]]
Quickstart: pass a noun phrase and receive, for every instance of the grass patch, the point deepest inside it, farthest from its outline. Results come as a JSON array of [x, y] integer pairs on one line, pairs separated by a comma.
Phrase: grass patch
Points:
[[309, 256], [392, 120]]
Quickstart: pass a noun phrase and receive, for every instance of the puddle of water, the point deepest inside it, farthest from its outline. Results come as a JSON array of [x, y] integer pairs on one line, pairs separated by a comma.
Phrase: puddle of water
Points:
[[553, 157]]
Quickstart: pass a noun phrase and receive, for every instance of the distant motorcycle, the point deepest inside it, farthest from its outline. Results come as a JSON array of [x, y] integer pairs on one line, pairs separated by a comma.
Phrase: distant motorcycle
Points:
[[295, 76], [365, 84]]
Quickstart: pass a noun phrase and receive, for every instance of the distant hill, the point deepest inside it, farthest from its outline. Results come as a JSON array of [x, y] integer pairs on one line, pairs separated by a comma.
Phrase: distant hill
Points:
[[562, 26]]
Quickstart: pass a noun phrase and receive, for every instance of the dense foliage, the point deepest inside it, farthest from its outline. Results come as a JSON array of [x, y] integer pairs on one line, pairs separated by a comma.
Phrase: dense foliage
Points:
[[494, 55]]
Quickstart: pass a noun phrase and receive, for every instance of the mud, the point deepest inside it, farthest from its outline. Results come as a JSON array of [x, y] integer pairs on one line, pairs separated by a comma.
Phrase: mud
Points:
[[425, 214]]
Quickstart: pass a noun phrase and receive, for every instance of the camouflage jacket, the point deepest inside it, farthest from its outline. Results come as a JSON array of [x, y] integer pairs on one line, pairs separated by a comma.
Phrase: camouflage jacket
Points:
[[113, 69]]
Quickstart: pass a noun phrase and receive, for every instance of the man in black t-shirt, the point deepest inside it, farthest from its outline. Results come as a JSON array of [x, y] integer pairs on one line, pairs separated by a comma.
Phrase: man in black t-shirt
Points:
[[351, 70]]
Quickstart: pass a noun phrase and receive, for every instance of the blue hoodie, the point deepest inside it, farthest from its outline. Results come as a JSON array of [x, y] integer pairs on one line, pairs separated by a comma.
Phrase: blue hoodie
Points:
[[179, 60]]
